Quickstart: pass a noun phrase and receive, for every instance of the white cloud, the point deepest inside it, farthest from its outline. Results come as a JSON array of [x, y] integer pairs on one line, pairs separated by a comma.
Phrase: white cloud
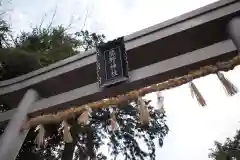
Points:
[[119, 20], [112, 17]]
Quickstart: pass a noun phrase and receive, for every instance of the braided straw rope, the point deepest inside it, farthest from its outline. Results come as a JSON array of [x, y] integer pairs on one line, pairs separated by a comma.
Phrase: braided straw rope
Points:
[[132, 95]]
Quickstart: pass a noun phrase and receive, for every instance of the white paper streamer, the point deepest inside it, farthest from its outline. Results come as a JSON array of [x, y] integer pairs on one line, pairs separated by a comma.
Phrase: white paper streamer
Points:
[[143, 112], [114, 124], [160, 102], [40, 136], [67, 137], [84, 117]]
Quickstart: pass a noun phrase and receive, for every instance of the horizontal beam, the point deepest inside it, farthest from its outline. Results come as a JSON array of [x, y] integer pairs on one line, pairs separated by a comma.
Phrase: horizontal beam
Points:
[[47, 68], [179, 19], [47, 75], [146, 36], [148, 72], [191, 22], [138, 78], [126, 38]]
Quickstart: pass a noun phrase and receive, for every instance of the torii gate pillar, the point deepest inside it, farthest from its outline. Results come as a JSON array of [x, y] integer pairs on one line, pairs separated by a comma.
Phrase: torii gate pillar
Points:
[[12, 139], [234, 31]]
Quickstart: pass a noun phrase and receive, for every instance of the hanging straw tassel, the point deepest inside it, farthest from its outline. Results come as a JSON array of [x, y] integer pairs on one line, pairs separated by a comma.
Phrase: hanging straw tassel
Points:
[[114, 124], [143, 111], [66, 132], [84, 117], [229, 87], [40, 136], [195, 92], [160, 100]]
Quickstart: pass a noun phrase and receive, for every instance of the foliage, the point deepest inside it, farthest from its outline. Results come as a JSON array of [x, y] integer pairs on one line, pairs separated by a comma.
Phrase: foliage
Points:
[[41, 47], [54, 44], [16, 62], [124, 142], [89, 40], [229, 149], [4, 33]]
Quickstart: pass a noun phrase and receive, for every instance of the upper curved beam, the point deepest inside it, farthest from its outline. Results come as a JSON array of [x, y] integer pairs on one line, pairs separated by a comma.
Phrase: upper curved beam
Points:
[[127, 39], [186, 33]]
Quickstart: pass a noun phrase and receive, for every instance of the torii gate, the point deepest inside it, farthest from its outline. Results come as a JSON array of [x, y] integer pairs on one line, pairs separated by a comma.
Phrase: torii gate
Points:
[[158, 53]]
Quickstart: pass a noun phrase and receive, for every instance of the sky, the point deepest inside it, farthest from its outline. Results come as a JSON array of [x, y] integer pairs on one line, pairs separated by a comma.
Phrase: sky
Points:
[[193, 129]]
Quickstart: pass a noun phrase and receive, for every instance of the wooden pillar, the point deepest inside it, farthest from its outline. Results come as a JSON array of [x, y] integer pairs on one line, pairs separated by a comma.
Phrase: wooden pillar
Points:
[[12, 138], [234, 31]]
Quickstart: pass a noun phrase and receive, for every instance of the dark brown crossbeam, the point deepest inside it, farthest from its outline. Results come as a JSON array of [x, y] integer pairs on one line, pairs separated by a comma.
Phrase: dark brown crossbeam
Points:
[[155, 54], [144, 76]]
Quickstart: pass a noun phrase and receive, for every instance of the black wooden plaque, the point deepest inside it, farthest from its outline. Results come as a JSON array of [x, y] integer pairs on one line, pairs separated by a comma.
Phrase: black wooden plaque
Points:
[[112, 65]]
